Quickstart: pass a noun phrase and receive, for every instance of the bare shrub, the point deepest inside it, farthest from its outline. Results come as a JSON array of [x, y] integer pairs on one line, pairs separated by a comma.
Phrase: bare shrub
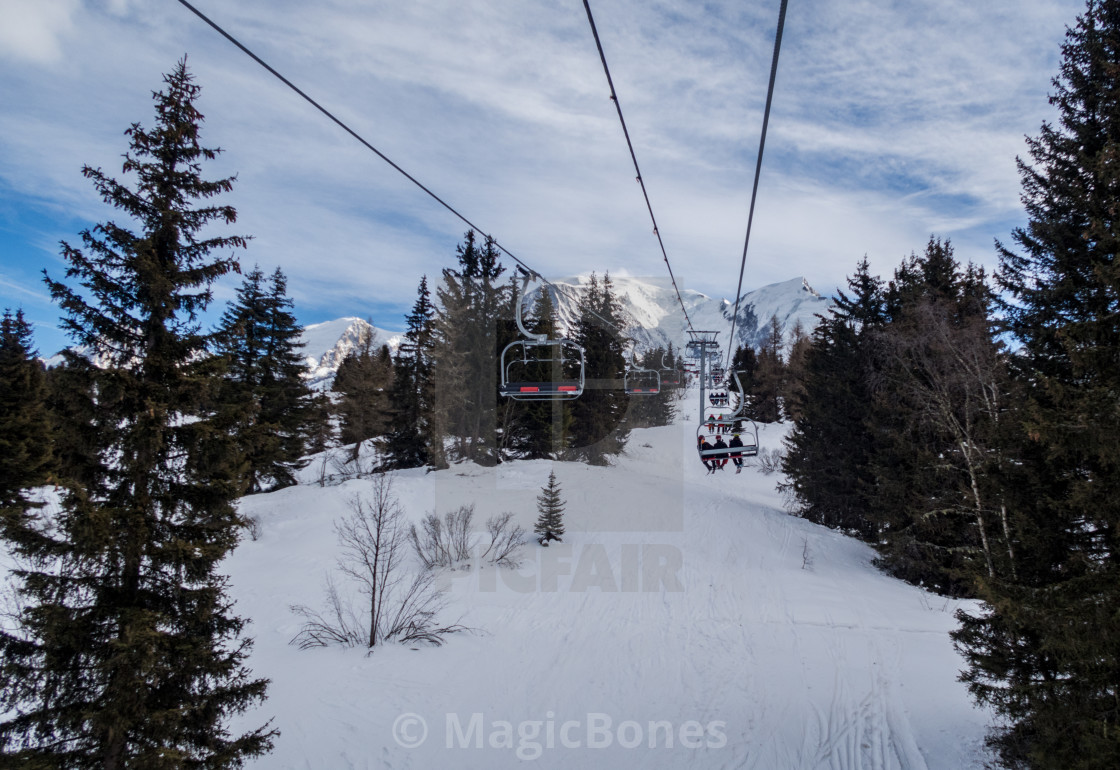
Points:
[[769, 461], [448, 541], [443, 542], [253, 527], [395, 608], [505, 541]]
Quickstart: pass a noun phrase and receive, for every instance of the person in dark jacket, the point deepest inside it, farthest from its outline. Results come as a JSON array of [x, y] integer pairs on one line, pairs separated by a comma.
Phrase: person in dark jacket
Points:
[[721, 457], [709, 462], [736, 452]]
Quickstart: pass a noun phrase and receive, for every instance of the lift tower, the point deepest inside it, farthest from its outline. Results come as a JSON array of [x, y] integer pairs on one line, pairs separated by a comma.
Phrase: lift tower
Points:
[[703, 344]]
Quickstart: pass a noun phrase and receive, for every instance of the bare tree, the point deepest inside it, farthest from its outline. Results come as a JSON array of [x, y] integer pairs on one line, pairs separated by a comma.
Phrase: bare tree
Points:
[[373, 540]]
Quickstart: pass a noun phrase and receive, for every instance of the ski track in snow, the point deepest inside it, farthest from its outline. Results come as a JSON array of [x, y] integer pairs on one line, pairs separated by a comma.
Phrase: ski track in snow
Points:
[[827, 665]]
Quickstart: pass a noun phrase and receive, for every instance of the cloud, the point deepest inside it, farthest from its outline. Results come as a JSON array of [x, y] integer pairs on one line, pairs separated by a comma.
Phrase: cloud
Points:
[[891, 121], [34, 30]]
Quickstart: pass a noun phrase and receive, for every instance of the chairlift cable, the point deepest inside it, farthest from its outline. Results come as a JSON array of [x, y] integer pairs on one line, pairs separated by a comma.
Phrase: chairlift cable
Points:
[[757, 173], [380, 154], [634, 157]]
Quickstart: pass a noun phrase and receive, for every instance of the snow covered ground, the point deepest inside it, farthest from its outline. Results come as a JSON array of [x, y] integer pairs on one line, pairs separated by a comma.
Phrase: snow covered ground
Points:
[[686, 622]]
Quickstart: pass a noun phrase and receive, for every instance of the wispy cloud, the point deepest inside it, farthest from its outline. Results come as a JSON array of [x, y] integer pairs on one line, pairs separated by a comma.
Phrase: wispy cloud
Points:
[[891, 121]]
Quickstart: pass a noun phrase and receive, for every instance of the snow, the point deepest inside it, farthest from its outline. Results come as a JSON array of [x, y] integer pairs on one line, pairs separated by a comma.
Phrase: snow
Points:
[[650, 308], [654, 318], [326, 344], [681, 608]]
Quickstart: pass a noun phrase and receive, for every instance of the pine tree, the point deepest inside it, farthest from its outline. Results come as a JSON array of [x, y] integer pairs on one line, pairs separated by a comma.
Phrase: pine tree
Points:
[[550, 507], [364, 379], [936, 402], [829, 450], [26, 456], [470, 305], [598, 429], [1044, 654], [767, 385], [412, 440], [126, 653], [259, 337]]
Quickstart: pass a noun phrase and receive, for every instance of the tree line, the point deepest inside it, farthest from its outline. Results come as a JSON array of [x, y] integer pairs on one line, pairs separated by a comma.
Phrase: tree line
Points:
[[968, 427]]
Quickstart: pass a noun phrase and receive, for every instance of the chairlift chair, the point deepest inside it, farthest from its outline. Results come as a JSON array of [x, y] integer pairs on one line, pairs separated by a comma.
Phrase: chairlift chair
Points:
[[669, 376], [537, 368], [639, 381], [729, 425]]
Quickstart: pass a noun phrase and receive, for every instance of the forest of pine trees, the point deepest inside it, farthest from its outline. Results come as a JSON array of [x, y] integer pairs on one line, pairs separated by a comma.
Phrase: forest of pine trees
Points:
[[967, 428]]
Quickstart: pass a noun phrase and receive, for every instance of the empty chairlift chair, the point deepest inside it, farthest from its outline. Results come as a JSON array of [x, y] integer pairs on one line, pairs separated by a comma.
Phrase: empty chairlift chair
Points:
[[670, 378], [641, 382], [538, 368]]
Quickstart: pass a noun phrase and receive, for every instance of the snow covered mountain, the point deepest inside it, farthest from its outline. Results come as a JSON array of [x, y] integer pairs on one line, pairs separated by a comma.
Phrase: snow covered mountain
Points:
[[653, 318], [326, 344]]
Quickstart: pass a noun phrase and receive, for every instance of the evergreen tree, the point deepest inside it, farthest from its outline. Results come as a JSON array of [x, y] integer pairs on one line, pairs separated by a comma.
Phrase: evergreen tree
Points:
[[25, 435], [470, 304], [1044, 653], [935, 401], [550, 507], [794, 386], [259, 338], [597, 428], [829, 450], [125, 653], [412, 440], [364, 379], [766, 386]]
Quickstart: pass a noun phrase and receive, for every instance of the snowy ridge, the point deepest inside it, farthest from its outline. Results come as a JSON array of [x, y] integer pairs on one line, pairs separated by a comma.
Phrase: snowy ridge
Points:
[[326, 344], [654, 317]]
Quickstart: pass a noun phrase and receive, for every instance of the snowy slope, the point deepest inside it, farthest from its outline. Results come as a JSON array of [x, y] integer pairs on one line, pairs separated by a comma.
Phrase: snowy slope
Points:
[[678, 604]]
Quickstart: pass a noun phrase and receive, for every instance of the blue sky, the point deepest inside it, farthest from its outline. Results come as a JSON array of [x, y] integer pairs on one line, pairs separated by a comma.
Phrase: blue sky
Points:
[[891, 121]]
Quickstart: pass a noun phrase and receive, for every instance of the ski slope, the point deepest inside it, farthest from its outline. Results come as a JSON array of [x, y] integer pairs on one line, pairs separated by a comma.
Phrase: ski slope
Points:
[[685, 622]]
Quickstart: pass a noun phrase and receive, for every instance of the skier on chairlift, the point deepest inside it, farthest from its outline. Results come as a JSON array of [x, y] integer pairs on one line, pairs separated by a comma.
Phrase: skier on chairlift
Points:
[[709, 462], [721, 457], [736, 455]]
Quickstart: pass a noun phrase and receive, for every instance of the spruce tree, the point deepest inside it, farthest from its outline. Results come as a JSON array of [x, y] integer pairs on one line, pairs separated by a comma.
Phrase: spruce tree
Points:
[[126, 653], [936, 384], [550, 507], [259, 337], [598, 426], [1044, 654], [364, 381], [468, 319], [767, 384], [26, 456], [412, 441], [829, 449]]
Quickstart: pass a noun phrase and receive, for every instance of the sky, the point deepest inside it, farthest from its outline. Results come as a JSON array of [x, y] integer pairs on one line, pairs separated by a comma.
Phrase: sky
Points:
[[892, 121]]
